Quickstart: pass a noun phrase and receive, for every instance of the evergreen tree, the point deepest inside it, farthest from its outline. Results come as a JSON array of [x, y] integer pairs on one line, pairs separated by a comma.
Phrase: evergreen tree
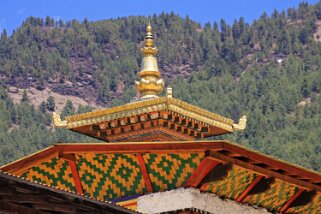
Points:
[[68, 109], [43, 107], [50, 104], [25, 98]]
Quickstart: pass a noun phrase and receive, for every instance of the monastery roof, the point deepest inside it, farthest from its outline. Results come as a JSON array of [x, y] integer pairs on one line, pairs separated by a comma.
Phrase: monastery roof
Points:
[[109, 172], [163, 116], [150, 117]]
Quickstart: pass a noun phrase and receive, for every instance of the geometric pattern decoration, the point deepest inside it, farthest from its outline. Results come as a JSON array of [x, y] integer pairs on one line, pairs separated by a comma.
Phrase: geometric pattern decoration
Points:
[[170, 171], [233, 185], [276, 196], [110, 176], [54, 172], [313, 207]]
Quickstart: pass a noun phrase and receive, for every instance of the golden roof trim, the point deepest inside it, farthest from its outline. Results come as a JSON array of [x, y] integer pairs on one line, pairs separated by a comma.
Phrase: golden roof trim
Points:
[[146, 106]]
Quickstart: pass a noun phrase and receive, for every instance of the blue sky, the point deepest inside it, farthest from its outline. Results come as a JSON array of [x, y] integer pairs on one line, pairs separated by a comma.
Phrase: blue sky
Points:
[[14, 12]]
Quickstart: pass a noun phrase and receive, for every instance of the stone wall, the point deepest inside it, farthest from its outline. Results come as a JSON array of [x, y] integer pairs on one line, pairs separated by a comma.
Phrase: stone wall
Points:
[[192, 198]]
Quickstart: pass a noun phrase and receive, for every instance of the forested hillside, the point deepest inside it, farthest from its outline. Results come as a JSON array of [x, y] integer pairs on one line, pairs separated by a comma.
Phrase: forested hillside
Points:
[[269, 70]]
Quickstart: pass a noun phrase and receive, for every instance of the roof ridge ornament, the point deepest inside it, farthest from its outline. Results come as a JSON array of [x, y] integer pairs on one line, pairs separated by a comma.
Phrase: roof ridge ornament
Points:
[[241, 125], [150, 84], [56, 120]]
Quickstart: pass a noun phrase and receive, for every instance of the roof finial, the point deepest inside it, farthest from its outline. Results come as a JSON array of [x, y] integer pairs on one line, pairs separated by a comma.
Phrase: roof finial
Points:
[[149, 42], [150, 84]]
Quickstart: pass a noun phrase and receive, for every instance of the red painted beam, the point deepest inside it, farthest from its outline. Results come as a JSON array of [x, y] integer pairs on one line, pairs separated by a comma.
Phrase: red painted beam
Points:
[[30, 160], [202, 170], [249, 188], [75, 175], [272, 162], [143, 168], [289, 202]]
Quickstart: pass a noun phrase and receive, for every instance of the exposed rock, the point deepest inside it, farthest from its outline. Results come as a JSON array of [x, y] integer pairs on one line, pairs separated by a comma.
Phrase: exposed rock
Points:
[[13, 90], [36, 97], [317, 33]]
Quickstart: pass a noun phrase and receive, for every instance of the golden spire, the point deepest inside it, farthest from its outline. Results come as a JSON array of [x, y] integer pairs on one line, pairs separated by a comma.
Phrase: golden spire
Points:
[[150, 85], [149, 42]]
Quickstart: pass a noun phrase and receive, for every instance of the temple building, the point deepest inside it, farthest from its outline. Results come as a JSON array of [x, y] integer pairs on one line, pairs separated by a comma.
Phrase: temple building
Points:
[[156, 159]]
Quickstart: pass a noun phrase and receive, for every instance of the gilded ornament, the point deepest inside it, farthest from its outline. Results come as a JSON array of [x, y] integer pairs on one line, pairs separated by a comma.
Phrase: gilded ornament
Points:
[[150, 85], [57, 120], [241, 125]]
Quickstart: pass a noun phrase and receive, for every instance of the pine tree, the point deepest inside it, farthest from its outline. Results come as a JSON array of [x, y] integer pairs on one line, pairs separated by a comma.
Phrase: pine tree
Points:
[[25, 98], [68, 109], [50, 104], [43, 107]]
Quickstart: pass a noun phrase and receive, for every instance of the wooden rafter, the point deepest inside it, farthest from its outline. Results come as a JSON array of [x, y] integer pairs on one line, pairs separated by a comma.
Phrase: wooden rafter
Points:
[[249, 188], [75, 176], [202, 170], [70, 158], [140, 135], [273, 163], [111, 130], [145, 174], [289, 202]]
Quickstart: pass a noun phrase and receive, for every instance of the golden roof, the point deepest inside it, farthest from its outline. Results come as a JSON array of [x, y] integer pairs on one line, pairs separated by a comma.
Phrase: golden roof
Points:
[[147, 106]]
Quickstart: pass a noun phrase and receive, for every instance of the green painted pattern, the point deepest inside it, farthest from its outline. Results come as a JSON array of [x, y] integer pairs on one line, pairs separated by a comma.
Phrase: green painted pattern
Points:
[[55, 172], [170, 171], [109, 176], [232, 186]]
